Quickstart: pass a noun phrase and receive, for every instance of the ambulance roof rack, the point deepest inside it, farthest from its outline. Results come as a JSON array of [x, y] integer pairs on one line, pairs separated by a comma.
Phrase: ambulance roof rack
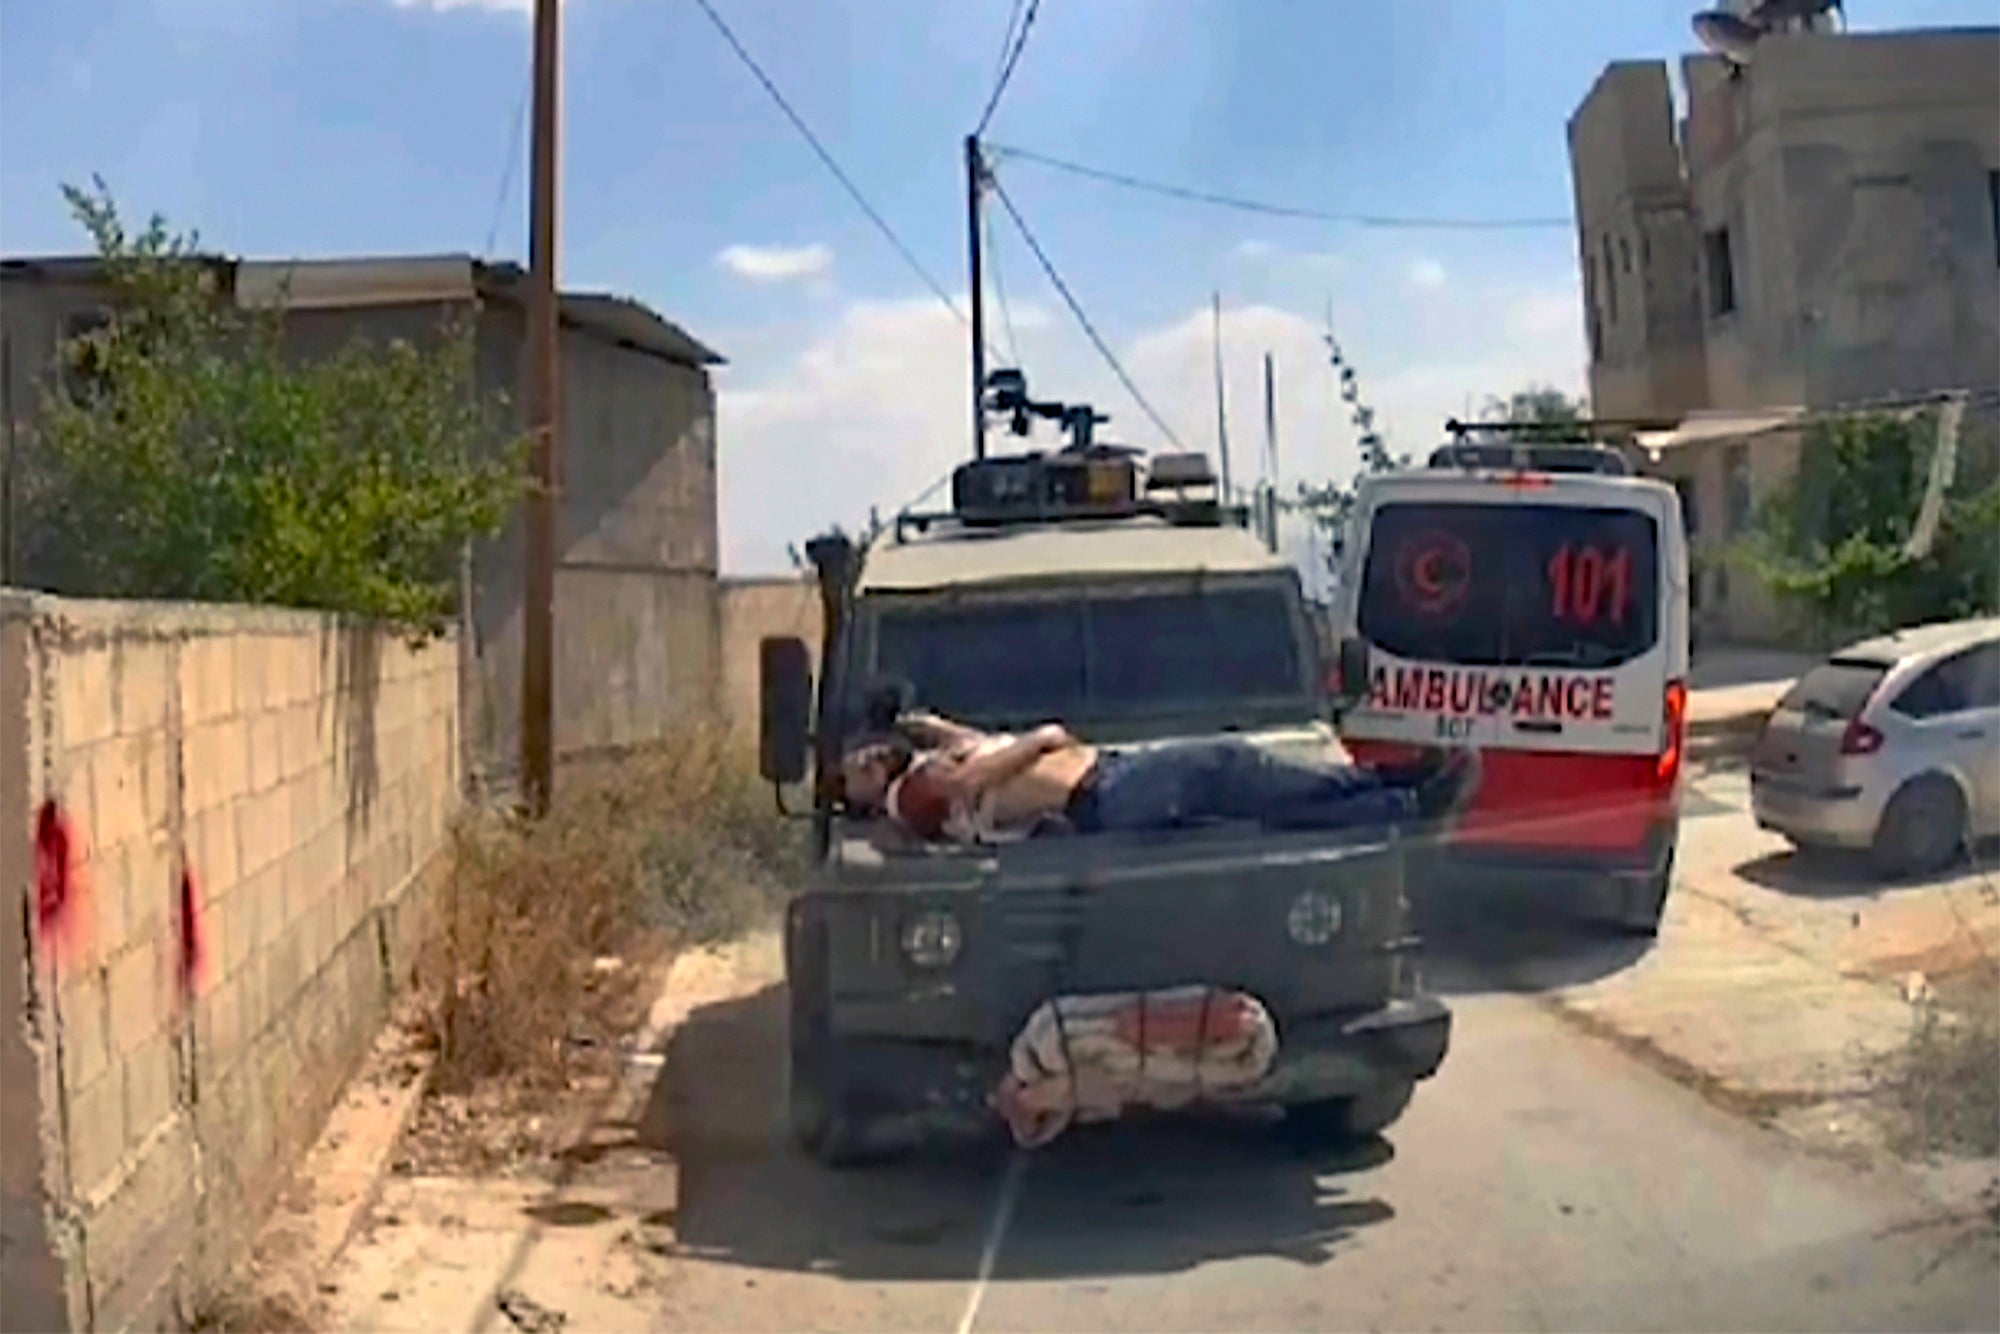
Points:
[[1552, 447]]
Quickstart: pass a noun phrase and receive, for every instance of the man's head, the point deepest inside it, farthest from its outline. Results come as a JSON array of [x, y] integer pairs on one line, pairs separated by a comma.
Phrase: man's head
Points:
[[871, 764]]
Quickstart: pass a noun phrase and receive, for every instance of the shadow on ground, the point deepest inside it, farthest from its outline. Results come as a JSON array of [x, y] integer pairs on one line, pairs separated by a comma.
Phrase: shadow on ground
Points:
[[1486, 942], [1155, 1197], [1836, 874]]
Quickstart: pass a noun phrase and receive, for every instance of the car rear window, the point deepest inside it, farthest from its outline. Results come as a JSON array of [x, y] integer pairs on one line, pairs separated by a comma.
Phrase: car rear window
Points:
[[1837, 688], [1514, 585]]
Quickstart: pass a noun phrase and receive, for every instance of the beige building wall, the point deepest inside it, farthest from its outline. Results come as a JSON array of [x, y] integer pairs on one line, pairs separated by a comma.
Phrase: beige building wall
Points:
[[638, 635], [1850, 181], [256, 805], [1636, 247], [753, 610]]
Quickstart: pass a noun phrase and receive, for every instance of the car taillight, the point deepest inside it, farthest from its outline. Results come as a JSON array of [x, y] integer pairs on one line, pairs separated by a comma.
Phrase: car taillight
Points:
[[1673, 718], [1860, 739]]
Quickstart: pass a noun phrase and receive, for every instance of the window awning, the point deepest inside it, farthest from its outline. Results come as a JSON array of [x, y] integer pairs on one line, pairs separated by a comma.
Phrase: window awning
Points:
[[1698, 427]]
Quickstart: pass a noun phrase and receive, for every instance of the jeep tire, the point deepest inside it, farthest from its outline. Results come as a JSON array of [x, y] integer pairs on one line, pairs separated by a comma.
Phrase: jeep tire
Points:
[[1339, 1121]]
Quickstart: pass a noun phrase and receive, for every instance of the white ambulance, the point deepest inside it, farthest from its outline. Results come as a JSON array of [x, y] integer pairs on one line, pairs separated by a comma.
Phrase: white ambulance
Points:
[[1531, 601]]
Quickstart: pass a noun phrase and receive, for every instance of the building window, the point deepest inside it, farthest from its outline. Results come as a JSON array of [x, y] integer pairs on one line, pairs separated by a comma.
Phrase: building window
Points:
[[1993, 206], [1736, 487], [1721, 272], [1624, 254], [1610, 283]]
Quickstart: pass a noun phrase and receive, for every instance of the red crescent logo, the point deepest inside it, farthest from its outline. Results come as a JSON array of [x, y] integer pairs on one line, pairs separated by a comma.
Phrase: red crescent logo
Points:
[[1434, 572]]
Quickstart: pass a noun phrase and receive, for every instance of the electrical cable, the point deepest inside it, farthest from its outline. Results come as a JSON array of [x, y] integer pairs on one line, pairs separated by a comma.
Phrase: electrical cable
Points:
[[1089, 329], [1007, 38], [1190, 195], [1007, 66], [507, 170], [827, 160]]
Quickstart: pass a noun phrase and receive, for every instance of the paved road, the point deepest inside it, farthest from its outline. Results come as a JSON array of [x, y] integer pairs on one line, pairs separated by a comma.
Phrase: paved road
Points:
[[1544, 1180]]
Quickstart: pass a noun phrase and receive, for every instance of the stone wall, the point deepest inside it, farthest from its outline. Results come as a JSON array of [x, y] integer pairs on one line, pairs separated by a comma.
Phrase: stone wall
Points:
[[236, 816]]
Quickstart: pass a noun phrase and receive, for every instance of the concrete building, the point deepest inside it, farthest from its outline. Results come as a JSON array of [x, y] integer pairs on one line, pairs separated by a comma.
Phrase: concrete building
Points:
[[1821, 228], [637, 619]]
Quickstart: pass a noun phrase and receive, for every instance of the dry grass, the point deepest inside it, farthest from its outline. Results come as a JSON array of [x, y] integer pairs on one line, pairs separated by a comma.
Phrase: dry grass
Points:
[[679, 844], [1943, 1089]]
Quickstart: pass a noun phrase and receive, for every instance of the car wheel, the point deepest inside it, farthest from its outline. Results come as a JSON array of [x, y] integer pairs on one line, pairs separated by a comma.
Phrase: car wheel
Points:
[[1644, 901], [1923, 829], [1346, 1120], [824, 1124]]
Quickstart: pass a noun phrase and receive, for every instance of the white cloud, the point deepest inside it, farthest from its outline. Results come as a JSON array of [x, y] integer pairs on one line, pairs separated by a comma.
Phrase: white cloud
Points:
[[1426, 275], [875, 409], [777, 264], [1550, 314]]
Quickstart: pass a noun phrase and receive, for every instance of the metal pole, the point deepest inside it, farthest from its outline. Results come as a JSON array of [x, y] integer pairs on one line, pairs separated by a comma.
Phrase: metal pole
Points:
[[543, 401], [1221, 406], [974, 185], [1271, 450], [7, 462]]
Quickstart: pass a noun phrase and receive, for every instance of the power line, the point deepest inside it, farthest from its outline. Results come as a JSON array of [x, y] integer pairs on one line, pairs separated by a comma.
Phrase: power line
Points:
[[826, 159], [507, 171], [1007, 38], [1062, 288], [1190, 195], [1007, 65]]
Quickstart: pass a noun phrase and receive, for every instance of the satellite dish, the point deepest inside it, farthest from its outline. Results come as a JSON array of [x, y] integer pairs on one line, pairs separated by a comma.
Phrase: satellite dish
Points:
[[1727, 35]]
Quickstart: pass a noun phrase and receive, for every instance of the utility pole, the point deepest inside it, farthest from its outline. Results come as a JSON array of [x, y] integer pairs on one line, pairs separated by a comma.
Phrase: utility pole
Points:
[[1221, 407], [975, 171], [1271, 452], [544, 411]]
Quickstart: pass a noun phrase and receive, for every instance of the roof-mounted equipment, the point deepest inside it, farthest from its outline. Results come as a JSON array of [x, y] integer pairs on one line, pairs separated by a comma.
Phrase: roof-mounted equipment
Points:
[[1544, 450]]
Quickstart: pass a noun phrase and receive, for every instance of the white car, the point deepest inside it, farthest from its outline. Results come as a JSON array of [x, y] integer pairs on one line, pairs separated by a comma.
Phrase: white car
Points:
[[1890, 746]]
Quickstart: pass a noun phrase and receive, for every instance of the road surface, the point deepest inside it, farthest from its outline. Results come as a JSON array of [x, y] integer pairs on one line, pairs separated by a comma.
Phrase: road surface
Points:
[[1545, 1179]]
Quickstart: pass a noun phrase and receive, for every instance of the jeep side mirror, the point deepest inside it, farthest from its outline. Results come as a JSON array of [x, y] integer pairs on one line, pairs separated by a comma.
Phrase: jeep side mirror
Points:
[[1350, 682], [784, 717]]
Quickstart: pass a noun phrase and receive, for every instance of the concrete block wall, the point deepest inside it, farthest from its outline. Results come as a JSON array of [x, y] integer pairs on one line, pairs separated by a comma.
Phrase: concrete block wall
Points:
[[752, 609], [237, 817]]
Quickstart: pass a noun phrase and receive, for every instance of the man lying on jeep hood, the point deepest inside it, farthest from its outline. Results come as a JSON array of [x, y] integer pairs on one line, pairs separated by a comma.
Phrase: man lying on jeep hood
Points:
[[938, 779]]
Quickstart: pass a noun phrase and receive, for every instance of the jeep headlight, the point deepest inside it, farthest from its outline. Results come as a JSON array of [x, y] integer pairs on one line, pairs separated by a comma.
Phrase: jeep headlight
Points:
[[1314, 918], [931, 939]]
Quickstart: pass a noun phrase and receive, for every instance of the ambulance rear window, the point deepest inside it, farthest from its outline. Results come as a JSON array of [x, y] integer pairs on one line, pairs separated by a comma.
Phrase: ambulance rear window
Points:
[[1513, 585]]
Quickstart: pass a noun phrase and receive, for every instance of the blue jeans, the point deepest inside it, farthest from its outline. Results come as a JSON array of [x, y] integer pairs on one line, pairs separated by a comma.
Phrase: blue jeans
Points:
[[1189, 782]]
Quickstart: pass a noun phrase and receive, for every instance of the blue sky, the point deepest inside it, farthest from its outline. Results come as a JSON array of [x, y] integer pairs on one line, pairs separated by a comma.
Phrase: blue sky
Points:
[[323, 127]]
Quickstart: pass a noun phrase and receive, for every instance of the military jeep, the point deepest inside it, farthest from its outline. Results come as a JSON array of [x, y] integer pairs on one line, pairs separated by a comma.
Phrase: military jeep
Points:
[[1134, 608]]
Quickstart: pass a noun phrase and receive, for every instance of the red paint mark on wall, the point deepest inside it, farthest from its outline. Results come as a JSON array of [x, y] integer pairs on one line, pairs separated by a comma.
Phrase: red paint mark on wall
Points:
[[59, 917], [192, 955]]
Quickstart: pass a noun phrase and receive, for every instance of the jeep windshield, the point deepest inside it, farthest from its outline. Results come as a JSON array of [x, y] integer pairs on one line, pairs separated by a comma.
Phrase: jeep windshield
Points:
[[1221, 656], [1511, 585]]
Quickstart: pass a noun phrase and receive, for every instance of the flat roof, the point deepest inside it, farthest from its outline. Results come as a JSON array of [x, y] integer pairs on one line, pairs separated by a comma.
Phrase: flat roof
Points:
[[388, 280], [961, 556]]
